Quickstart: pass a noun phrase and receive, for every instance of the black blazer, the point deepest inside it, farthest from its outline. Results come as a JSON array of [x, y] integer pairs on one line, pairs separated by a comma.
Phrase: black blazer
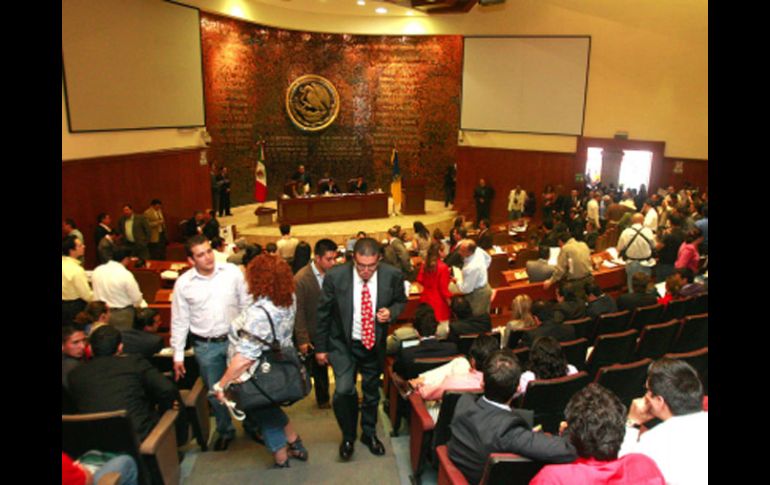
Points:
[[335, 308], [600, 306], [127, 382], [559, 331], [404, 363], [140, 342], [485, 240], [473, 324], [631, 301], [479, 429]]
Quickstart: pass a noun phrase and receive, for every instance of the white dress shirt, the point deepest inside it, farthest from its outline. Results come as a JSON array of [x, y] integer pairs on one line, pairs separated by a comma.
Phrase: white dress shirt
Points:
[[74, 282], [475, 271], [116, 286], [205, 305], [358, 285], [592, 209], [679, 446], [651, 219], [640, 248]]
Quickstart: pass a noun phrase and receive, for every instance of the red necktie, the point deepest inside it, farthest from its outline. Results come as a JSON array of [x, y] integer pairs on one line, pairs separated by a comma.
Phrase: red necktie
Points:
[[367, 319]]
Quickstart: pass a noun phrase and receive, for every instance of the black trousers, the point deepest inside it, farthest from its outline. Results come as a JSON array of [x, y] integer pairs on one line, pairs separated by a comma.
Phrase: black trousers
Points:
[[320, 375], [347, 363]]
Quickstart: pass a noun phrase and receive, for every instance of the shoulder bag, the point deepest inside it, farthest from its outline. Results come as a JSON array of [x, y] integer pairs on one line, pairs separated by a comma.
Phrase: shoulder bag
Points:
[[280, 378]]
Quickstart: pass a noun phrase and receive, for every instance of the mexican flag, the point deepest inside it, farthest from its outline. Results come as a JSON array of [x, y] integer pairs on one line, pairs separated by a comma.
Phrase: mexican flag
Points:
[[260, 175]]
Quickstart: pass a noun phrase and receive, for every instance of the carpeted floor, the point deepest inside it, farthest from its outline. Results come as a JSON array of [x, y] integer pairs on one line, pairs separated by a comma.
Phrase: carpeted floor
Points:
[[246, 462]]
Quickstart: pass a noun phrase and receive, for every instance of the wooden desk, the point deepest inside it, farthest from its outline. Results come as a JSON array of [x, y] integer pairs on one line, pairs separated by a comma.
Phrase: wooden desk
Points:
[[305, 210], [159, 266]]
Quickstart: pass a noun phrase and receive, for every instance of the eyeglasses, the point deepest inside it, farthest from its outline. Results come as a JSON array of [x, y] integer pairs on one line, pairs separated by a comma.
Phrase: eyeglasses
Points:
[[364, 267]]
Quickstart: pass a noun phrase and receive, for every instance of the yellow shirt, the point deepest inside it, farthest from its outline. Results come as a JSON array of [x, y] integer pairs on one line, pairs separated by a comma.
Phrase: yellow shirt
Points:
[[74, 282]]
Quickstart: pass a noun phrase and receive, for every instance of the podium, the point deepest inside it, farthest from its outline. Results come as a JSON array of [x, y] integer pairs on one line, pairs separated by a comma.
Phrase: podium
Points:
[[413, 196]]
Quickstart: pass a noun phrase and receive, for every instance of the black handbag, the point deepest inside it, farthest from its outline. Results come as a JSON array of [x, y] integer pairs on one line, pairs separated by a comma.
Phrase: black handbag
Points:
[[280, 378]]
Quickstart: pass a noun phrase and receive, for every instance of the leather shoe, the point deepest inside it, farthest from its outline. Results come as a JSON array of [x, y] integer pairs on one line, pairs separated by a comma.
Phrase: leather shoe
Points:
[[375, 445], [222, 442], [346, 450]]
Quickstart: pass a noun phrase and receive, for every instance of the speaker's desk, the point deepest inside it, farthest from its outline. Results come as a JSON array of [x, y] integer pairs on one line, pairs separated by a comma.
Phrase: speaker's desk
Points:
[[323, 208]]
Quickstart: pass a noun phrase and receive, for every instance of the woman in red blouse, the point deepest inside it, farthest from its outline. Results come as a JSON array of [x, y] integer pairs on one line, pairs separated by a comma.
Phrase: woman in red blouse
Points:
[[434, 278]]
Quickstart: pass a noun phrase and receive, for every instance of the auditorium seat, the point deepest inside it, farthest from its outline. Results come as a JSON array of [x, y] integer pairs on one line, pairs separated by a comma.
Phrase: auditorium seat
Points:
[[676, 309], [575, 352], [448, 473], [509, 469], [646, 315], [698, 304], [611, 323], [612, 348], [466, 340], [693, 334], [656, 340], [156, 457], [196, 405], [548, 398], [699, 359], [625, 380], [584, 327]]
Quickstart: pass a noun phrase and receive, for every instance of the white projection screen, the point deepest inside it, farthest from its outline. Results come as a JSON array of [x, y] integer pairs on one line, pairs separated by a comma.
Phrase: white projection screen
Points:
[[525, 84], [131, 64]]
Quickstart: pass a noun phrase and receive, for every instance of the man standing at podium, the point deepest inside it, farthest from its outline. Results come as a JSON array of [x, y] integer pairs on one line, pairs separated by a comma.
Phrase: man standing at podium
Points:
[[303, 179]]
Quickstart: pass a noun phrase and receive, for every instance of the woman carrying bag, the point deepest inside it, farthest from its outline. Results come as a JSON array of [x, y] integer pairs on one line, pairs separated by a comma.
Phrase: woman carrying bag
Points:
[[270, 317]]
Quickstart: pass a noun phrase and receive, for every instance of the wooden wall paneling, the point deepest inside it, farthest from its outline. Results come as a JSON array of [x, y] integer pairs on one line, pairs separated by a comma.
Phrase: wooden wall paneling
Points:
[[657, 148], [104, 184], [694, 171]]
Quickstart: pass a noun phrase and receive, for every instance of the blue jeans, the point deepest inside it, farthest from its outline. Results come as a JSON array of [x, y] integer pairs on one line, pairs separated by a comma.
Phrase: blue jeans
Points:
[[212, 360], [123, 464], [270, 422], [635, 267]]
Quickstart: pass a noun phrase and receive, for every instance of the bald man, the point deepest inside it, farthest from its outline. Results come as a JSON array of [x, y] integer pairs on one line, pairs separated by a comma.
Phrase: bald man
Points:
[[635, 246]]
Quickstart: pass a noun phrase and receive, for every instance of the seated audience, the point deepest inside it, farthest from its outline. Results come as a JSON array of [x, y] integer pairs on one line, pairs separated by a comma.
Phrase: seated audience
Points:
[[111, 381], [679, 445], [640, 296], [210, 227], [689, 286], [428, 346], [539, 270], [595, 427], [599, 303], [143, 338], [73, 351], [546, 361], [93, 316], [568, 304], [673, 285], [489, 425], [193, 226], [551, 325], [521, 317], [465, 321]]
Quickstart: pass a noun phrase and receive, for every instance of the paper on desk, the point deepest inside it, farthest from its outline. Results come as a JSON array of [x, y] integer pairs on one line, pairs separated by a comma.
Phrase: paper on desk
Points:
[[609, 264], [169, 275], [497, 250], [661, 287], [553, 256], [410, 343], [613, 252]]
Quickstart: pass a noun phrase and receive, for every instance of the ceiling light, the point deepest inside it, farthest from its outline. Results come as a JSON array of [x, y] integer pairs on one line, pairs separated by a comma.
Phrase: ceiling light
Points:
[[361, 2], [381, 10]]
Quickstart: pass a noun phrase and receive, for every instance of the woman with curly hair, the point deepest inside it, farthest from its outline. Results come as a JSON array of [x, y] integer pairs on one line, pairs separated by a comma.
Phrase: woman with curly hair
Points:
[[596, 426], [271, 284], [546, 361]]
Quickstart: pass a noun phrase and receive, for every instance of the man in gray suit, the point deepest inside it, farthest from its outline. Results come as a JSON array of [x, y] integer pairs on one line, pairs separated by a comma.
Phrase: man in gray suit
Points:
[[539, 270], [359, 300], [135, 230], [307, 286]]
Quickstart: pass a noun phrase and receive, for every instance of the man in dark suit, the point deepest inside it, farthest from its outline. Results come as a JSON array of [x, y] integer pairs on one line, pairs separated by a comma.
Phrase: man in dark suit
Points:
[[307, 286], [103, 228], [539, 270], [359, 300], [135, 230], [569, 305], [551, 325], [113, 381], [303, 180], [429, 345], [465, 321], [485, 235], [143, 338], [640, 296], [599, 303], [483, 195], [488, 424], [210, 225]]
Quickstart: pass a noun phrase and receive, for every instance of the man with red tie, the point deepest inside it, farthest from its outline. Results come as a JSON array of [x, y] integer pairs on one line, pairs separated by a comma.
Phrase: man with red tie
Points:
[[359, 300]]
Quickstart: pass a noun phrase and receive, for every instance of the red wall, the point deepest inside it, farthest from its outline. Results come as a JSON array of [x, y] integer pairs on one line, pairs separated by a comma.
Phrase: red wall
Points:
[[105, 184]]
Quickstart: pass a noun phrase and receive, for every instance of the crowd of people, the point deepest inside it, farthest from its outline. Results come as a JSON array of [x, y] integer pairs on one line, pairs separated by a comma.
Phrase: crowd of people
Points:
[[334, 302]]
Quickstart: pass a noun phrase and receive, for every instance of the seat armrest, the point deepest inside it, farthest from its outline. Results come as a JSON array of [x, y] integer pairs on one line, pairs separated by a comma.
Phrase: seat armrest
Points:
[[109, 478], [448, 473], [161, 434], [420, 412], [191, 397]]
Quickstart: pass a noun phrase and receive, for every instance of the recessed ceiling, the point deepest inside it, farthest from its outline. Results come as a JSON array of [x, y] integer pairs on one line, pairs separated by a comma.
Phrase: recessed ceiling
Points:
[[343, 7]]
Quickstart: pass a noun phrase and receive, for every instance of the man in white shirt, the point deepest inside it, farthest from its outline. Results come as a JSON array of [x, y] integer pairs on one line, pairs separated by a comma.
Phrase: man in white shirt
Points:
[[650, 216], [592, 209], [680, 444], [516, 199], [474, 283], [115, 285], [75, 290], [635, 246], [206, 298], [287, 245]]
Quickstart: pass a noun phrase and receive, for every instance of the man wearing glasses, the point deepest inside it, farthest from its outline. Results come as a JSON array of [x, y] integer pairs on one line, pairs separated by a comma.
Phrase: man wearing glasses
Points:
[[358, 301]]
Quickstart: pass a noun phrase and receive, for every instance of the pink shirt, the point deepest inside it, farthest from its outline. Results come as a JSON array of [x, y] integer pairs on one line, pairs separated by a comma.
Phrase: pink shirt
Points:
[[688, 257], [464, 382], [632, 469]]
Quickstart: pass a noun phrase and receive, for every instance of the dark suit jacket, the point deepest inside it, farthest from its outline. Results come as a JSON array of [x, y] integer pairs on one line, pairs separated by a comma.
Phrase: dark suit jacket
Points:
[[474, 324], [397, 255], [99, 233], [142, 343], [404, 363], [127, 382], [308, 294], [211, 229], [600, 306], [335, 308], [559, 331], [631, 301], [570, 310], [485, 239], [141, 229], [479, 429]]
